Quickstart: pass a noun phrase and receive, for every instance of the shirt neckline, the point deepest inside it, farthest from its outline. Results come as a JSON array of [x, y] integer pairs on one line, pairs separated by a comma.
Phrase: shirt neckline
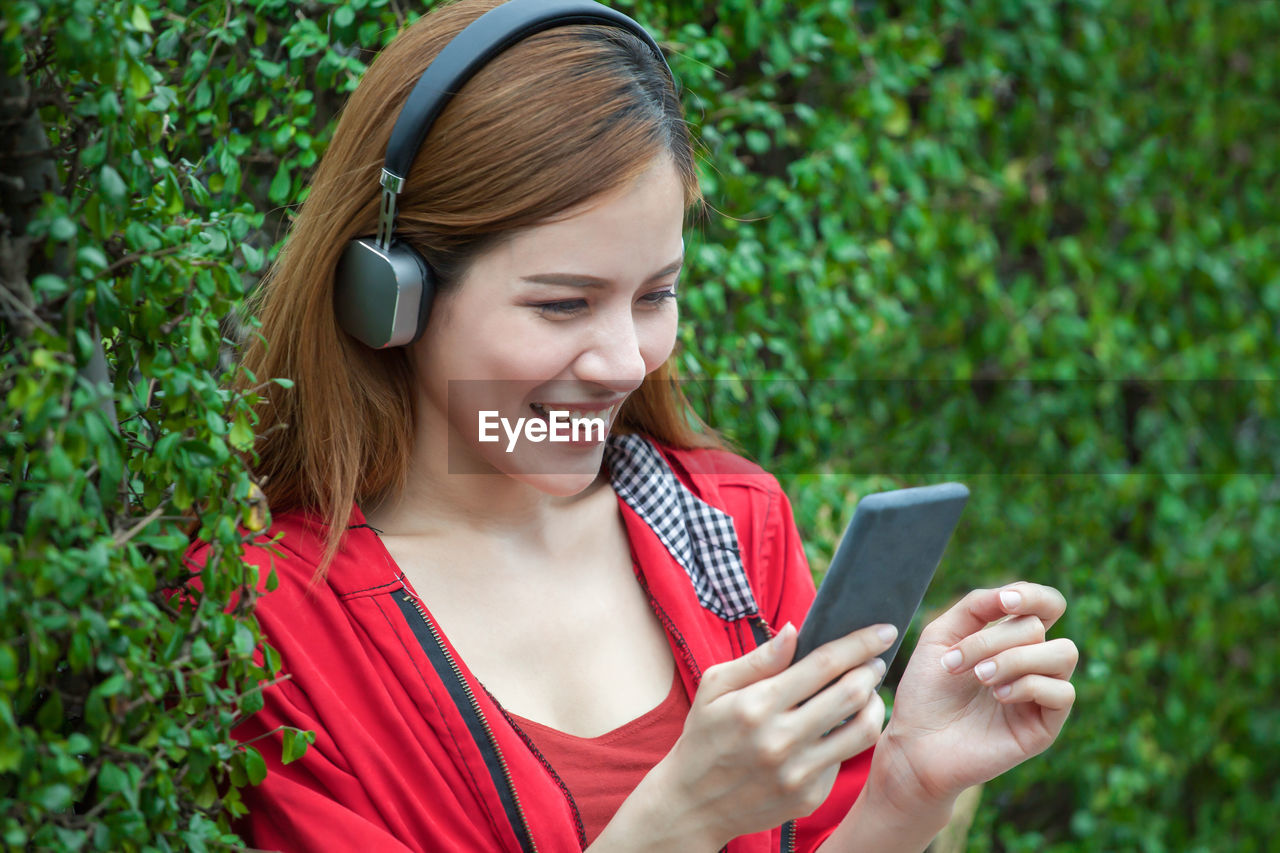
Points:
[[622, 732]]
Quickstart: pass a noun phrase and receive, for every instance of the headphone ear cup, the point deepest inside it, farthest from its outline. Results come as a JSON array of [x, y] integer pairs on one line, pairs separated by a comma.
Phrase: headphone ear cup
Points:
[[382, 297]]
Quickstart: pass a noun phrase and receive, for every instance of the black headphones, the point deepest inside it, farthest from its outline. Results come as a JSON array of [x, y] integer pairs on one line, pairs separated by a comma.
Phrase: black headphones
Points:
[[382, 287]]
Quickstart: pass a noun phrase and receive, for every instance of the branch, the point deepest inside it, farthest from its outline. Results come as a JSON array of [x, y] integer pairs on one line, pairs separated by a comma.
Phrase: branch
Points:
[[23, 298], [134, 257], [121, 538]]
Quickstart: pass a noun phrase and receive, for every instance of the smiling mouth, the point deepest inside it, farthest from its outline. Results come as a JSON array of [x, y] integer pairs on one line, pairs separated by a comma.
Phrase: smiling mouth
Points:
[[544, 410]]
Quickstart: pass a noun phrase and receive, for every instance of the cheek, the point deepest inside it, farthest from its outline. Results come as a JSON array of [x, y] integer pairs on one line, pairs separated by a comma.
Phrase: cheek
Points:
[[658, 339], [472, 339]]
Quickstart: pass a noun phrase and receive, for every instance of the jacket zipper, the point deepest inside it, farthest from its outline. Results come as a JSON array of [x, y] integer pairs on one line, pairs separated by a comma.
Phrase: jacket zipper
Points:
[[475, 707], [789, 837], [761, 632]]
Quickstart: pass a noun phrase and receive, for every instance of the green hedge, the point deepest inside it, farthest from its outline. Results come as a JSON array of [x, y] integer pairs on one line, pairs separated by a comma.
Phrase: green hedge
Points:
[[1014, 243], [120, 689]]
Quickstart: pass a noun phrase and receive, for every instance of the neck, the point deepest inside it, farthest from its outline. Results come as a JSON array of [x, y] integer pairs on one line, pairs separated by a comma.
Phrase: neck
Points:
[[445, 493]]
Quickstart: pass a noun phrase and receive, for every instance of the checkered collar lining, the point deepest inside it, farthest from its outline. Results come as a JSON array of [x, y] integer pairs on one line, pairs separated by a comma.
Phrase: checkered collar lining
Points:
[[700, 537]]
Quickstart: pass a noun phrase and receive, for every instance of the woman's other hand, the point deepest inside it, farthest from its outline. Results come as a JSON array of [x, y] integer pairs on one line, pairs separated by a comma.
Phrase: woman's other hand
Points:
[[751, 755], [983, 692]]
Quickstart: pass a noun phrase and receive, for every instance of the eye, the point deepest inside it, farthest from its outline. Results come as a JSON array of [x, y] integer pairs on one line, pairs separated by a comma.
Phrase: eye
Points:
[[562, 308], [659, 296]]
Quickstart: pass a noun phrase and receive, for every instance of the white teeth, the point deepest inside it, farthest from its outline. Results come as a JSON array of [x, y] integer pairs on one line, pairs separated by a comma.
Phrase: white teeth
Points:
[[577, 414]]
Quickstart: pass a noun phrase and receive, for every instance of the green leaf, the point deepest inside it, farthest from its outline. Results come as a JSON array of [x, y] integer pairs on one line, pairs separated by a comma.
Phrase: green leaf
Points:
[[280, 185], [112, 685], [11, 754], [112, 185], [241, 435], [111, 779], [253, 257], [52, 798], [268, 69], [199, 345], [91, 259], [899, 120], [139, 81], [62, 230], [295, 744], [141, 21], [290, 750], [208, 793], [242, 640], [255, 768]]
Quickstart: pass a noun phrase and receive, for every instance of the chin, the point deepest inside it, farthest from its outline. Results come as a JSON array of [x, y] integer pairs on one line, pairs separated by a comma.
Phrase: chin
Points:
[[559, 485], [558, 471]]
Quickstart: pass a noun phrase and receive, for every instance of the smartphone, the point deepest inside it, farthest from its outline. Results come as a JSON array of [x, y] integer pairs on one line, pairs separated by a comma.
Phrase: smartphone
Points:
[[884, 564]]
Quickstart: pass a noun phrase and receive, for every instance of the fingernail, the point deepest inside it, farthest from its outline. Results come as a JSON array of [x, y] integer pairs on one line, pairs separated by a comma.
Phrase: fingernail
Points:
[[781, 637], [985, 670], [1010, 598], [1003, 691], [878, 666], [887, 633], [951, 660], [782, 634]]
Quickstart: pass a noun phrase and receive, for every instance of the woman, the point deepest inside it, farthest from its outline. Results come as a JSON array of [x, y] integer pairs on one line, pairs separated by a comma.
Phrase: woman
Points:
[[524, 644]]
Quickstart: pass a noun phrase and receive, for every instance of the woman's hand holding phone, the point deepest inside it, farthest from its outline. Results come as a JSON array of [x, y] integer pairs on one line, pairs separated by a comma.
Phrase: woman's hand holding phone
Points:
[[954, 725], [983, 692], [754, 753]]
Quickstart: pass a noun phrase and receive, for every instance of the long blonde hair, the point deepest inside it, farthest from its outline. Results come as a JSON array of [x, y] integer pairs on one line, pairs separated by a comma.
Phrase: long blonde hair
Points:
[[560, 118]]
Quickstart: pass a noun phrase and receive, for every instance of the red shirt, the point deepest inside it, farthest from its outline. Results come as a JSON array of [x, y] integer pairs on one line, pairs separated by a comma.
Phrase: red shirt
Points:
[[411, 753], [602, 771]]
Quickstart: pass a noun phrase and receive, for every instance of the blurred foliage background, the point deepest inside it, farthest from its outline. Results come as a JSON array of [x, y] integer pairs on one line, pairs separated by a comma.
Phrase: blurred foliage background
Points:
[[1032, 246]]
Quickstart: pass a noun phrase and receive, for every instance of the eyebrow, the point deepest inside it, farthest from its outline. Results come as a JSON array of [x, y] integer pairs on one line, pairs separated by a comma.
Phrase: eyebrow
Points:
[[575, 280]]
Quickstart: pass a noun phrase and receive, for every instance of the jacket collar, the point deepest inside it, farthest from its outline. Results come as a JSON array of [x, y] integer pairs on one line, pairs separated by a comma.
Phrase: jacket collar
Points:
[[699, 536]]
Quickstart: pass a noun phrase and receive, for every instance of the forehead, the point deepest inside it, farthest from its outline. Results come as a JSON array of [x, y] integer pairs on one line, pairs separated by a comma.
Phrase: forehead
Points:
[[632, 232]]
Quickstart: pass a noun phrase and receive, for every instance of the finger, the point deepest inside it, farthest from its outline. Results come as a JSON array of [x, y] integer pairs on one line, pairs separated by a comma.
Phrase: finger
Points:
[[991, 641], [1056, 658], [1033, 599], [981, 607], [855, 736], [829, 662], [760, 663], [1053, 694], [840, 701]]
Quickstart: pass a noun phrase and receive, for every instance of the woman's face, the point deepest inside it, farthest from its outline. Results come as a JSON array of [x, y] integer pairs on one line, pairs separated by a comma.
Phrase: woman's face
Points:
[[559, 323]]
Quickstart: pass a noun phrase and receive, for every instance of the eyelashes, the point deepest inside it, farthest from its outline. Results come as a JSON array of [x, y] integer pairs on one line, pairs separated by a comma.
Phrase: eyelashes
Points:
[[566, 308], [573, 307], [659, 296]]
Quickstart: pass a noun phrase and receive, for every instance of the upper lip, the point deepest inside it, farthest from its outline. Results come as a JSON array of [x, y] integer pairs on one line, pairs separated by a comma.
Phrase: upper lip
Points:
[[589, 406]]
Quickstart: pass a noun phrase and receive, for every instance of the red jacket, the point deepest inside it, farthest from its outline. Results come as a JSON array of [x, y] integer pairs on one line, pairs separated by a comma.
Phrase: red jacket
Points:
[[411, 753]]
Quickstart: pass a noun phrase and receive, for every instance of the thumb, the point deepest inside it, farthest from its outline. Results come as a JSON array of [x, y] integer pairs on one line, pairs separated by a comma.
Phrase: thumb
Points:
[[758, 664]]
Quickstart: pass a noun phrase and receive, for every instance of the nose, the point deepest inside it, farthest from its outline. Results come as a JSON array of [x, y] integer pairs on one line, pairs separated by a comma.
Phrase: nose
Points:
[[613, 357]]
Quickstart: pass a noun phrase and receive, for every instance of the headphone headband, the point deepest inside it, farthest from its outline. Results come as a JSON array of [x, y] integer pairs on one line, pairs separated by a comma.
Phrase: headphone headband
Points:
[[484, 38]]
